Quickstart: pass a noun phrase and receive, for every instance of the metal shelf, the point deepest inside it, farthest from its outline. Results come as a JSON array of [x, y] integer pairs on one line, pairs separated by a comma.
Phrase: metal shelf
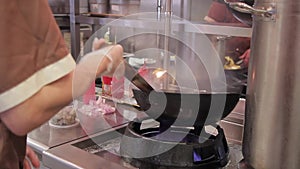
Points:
[[177, 25]]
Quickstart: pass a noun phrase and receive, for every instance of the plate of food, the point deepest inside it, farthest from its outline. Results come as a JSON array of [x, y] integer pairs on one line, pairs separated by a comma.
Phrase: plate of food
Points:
[[65, 118]]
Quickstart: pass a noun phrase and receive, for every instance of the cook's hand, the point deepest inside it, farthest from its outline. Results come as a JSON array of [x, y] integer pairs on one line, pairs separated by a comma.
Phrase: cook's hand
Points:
[[245, 56], [97, 44], [31, 158], [113, 58]]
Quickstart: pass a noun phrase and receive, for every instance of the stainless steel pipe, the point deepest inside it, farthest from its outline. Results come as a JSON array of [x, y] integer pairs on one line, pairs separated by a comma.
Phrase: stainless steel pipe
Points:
[[272, 122]]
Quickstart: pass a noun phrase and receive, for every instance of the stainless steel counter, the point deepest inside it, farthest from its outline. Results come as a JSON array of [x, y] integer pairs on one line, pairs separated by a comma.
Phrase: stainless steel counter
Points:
[[78, 154], [233, 124], [56, 145], [60, 158], [46, 137]]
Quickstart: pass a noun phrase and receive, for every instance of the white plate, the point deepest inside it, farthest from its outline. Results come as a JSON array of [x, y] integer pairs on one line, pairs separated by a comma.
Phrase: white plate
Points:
[[141, 61], [64, 126]]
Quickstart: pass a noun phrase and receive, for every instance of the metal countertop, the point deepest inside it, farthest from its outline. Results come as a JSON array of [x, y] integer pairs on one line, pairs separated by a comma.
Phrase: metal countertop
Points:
[[46, 137], [72, 155], [54, 144]]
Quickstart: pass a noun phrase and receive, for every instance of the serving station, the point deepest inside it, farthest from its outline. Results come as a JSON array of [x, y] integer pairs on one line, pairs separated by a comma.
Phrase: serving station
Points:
[[134, 137], [97, 146], [261, 132]]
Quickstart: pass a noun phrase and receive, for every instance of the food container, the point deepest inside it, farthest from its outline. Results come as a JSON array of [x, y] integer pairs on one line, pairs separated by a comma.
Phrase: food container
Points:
[[66, 117], [99, 6], [106, 85], [124, 7], [117, 87]]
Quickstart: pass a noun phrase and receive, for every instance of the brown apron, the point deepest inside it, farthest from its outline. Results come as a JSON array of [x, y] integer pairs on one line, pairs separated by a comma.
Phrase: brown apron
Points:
[[12, 149], [30, 40]]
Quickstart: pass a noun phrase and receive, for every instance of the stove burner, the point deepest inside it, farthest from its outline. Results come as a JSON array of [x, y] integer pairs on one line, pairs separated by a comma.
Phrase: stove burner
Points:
[[185, 149]]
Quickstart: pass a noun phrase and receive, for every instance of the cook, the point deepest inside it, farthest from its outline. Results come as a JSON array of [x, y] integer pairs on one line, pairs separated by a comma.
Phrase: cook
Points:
[[37, 75], [236, 47]]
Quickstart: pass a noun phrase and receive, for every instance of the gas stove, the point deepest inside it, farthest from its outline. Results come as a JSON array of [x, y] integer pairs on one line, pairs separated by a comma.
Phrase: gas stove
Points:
[[135, 145], [191, 152], [175, 148], [115, 149]]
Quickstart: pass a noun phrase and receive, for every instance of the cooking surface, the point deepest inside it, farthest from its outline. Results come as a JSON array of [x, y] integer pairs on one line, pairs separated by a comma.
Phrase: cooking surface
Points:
[[103, 150], [55, 144]]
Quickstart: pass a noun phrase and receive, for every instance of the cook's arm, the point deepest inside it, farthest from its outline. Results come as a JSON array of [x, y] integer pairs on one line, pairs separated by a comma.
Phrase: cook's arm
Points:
[[39, 108], [246, 57]]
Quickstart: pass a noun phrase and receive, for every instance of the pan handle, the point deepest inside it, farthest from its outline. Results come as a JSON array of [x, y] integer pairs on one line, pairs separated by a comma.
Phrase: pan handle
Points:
[[245, 8], [132, 75]]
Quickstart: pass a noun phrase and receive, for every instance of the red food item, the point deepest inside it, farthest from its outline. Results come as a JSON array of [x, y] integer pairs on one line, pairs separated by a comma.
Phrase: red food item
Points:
[[117, 88], [96, 108], [103, 107], [106, 80], [90, 94], [106, 85], [143, 71]]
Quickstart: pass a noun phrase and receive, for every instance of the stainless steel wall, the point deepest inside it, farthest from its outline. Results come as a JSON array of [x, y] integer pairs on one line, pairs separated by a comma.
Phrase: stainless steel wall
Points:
[[272, 127], [193, 10]]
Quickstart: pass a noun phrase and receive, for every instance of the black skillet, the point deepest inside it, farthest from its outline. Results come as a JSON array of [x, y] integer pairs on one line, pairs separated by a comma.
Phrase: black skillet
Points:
[[183, 109]]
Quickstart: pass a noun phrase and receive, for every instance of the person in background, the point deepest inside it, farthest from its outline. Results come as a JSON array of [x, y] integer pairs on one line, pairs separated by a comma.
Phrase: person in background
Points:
[[245, 57], [37, 75], [236, 47]]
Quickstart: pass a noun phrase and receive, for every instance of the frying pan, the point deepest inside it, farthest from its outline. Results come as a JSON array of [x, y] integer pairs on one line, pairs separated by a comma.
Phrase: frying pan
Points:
[[184, 109], [243, 17]]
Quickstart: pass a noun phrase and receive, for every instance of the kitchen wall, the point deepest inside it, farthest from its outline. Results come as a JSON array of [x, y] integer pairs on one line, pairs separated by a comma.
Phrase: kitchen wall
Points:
[[193, 10]]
